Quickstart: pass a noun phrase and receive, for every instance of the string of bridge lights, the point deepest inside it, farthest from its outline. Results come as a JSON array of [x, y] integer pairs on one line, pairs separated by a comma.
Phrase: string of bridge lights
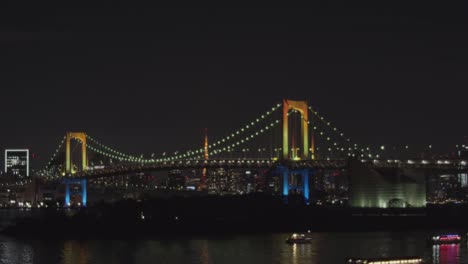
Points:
[[120, 158], [118, 153], [190, 153], [114, 154], [198, 153], [55, 154], [350, 148], [230, 147], [212, 151], [226, 144], [365, 151], [246, 139]]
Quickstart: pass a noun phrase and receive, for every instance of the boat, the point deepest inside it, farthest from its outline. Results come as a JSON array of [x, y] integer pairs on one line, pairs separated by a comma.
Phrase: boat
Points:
[[398, 260], [445, 239], [299, 239]]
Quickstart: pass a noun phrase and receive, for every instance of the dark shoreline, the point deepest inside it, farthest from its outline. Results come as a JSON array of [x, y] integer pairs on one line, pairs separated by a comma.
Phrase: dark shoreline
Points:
[[228, 216]]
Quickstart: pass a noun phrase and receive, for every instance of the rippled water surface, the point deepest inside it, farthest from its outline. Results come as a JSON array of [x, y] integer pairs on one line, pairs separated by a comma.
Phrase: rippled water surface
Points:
[[244, 249]]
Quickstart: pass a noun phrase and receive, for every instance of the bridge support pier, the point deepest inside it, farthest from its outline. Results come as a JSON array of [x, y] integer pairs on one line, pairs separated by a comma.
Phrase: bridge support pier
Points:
[[84, 192], [67, 194], [305, 174]]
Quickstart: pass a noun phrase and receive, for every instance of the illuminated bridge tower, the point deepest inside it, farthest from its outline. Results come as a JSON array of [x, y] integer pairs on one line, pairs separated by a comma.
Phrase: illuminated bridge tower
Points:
[[307, 153], [300, 106], [80, 137], [205, 157]]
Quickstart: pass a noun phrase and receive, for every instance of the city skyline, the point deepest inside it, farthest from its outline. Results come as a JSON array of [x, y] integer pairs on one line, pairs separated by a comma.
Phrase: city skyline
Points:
[[328, 134], [151, 80]]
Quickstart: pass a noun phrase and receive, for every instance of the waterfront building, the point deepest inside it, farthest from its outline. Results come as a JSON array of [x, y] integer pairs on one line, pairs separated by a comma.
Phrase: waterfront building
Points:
[[17, 162], [384, 188]]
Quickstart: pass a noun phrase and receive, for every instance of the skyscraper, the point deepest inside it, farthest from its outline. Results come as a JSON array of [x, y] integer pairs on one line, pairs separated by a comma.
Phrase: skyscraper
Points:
[[17, 162]]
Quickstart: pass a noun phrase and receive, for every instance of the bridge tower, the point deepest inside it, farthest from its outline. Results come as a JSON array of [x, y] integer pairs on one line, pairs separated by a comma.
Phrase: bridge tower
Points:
[[302, 107], [84, 192], [81, 137], [286, 172]]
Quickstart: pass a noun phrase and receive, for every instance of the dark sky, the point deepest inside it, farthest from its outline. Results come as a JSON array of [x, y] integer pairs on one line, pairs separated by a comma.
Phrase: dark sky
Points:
[[150, 79]]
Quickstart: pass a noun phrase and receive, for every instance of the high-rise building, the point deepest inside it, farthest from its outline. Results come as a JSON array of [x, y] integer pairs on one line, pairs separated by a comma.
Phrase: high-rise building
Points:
[[17, 162]]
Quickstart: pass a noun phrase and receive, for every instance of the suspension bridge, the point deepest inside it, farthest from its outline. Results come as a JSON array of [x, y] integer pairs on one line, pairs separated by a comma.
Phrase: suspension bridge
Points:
[[289, 139]]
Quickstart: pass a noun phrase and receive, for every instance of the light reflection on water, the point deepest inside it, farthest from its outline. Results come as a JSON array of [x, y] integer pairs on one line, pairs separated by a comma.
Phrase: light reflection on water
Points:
[[244, 249], [446, 254]]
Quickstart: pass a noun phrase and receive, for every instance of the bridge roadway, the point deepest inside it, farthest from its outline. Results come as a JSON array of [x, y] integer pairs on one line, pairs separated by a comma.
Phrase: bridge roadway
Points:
[[446, 166], [443, 166]]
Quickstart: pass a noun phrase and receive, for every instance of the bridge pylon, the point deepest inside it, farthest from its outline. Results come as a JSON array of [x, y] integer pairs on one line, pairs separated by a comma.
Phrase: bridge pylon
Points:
[[84, 190], [307, 153], [303, 109], [81, 137], [304, 174]]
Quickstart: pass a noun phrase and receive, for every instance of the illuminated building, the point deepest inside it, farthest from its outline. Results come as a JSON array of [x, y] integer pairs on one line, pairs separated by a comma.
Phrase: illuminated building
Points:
[[17, 162], [175, 180], [385, 188], [232, 181], [446, 188], [463, 177], [273, 184], [217, 180]]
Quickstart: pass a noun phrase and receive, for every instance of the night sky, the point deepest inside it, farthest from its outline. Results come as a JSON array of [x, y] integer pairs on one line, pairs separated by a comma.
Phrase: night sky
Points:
[[149, 79]]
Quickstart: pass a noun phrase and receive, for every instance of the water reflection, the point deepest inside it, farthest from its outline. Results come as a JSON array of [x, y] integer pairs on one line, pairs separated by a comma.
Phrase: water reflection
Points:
[[446, 254], [13, 252], [244, 249], [204, 253], [76, 252]]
